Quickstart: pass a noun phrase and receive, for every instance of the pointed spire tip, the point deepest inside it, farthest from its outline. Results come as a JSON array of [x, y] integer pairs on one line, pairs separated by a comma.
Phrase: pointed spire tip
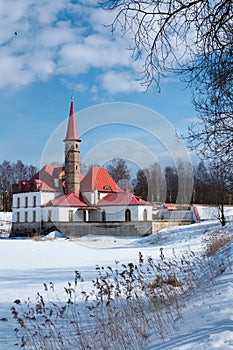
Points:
[[72, 96]]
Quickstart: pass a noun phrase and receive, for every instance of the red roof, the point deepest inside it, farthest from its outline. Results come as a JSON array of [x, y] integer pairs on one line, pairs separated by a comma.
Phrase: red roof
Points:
[[72, 133], [122, 198], [99, 179], [43, 180], [67, 200], [170, 206], [50, 178]]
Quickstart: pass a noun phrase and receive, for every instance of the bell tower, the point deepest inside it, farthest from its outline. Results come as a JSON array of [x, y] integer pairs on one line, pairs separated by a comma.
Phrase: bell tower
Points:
[[72, 154]]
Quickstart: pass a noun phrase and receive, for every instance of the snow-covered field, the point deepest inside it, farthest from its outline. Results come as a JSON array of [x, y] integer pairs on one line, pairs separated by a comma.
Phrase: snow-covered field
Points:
[[207, 319]]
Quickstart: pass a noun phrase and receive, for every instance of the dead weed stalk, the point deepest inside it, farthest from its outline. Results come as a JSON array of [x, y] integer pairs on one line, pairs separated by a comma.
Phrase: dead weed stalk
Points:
[[126, 304]]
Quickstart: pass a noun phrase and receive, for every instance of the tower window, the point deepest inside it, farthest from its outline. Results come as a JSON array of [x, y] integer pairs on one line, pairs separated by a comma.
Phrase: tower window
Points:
[[34, 216], [103, 215], [26, 202], [18, 217], [145, 215], [34, 201], [18, 202], [127, 215], [49, 215], [26, 216]]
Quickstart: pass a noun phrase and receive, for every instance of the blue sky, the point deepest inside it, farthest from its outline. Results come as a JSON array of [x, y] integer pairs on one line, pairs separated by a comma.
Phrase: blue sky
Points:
[[49, 48]]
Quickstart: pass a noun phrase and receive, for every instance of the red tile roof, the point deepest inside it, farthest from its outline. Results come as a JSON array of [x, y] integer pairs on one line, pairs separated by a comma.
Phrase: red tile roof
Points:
[[122, 198], [43, 180], [170, 206], [99, 179], [67, 200], [72, 133]]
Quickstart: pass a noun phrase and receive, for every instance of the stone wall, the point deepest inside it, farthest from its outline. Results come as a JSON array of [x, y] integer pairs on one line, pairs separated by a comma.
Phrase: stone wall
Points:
[[108, 228], [158, 225], [78, 229], [29, 229]]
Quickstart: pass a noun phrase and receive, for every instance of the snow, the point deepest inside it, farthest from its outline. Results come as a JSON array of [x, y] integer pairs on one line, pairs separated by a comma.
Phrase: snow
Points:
[[207, 318], [5, 224], [208, 212], [207, 321]]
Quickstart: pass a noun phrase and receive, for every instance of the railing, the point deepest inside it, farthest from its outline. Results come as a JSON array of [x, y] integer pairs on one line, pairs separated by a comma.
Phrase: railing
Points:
[[174, 215]]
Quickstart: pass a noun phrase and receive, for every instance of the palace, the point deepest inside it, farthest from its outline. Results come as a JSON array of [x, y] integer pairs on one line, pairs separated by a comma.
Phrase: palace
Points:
[[61, 198]]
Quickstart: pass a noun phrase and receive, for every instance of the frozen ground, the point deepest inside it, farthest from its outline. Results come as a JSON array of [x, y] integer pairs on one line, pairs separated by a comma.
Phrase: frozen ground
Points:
[[207, 321]]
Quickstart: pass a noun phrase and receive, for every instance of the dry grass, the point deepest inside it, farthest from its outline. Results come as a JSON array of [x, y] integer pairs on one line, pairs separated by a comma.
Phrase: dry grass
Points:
[[36, 237], [125, 305], [169, 280], [215, 241]]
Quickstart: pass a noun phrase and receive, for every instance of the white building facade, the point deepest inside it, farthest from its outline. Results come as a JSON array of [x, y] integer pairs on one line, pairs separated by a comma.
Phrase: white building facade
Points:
[[56, 195]]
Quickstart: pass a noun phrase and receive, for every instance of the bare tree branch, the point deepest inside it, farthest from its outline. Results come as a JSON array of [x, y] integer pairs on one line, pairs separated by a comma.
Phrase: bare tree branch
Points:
[[193, 38]]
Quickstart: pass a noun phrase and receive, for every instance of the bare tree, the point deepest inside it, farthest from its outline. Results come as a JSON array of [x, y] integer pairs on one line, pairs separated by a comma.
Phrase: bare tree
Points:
[[150, 184], [171, 178], [193, 38], [157, 185], [10, 175], [173, 34], [202, 190], [120, 172], [220, 187], [141, 184], [212, 134]]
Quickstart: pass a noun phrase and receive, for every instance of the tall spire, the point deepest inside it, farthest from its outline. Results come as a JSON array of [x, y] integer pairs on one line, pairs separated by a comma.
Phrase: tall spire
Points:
[[72, 154], [72, 133]]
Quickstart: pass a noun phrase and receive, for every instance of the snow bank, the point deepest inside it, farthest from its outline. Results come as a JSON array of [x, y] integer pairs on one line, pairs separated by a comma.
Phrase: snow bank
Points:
[[5, 224], [207, 322], [211, 212], [54, 235]]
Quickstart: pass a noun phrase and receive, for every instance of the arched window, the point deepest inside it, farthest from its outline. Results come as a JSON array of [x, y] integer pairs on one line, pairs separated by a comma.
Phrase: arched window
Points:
[[127, 215], [103, 215], [145, 215], [71, 215]]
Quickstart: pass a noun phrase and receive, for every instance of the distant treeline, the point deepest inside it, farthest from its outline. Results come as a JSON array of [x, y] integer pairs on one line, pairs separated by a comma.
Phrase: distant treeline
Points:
[[10, 175], [180, 184]]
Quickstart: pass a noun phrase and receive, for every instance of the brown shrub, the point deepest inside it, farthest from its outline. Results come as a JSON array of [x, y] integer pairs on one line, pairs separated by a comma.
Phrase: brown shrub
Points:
[[215, 241]]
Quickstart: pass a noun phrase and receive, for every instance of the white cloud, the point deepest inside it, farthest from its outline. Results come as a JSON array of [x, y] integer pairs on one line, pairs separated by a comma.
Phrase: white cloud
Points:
[[115, 82], [47, 11], [41, 64], [94, 52], [73, 86], [10, 12], [46, 38], [56, 36], [13, 73], [100, 18]]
